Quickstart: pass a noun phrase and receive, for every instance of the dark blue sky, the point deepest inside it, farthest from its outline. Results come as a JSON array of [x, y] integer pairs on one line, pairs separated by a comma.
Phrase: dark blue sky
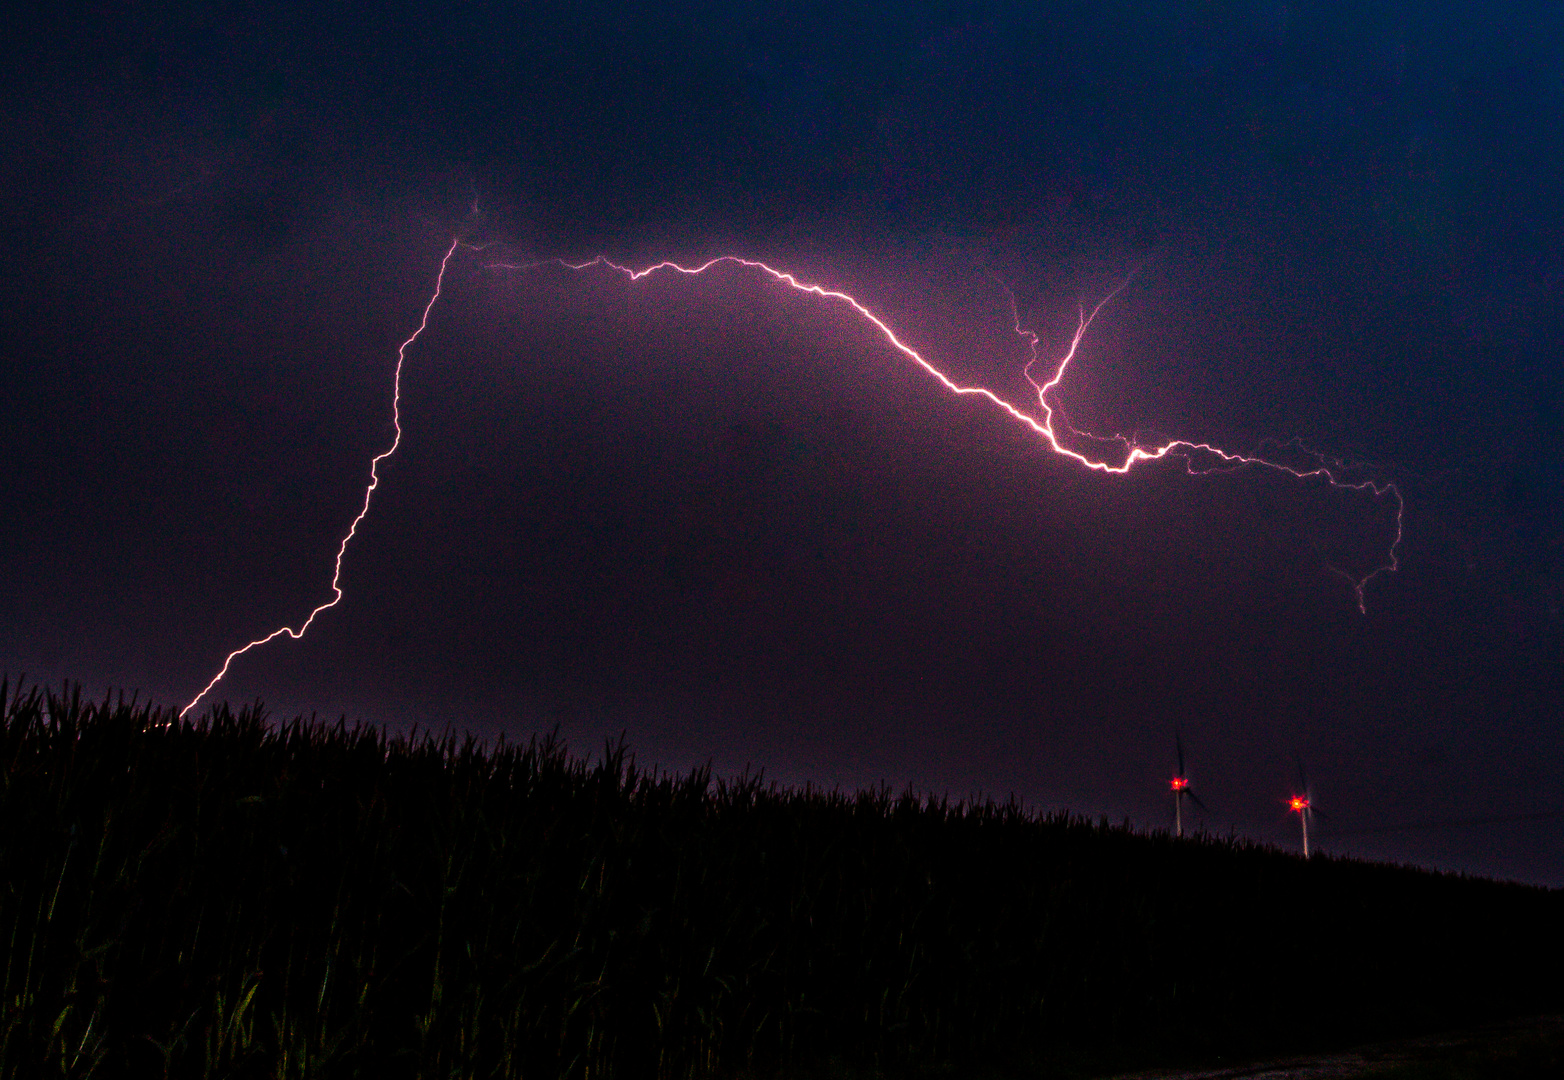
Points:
[[728, 521]]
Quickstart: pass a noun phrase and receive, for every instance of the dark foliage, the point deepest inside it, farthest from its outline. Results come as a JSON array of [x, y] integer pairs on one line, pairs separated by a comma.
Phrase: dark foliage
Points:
[[232, 898]]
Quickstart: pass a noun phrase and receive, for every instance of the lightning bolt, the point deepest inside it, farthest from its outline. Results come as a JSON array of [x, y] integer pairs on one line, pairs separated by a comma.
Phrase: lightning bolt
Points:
[[1328, 470], [369, 492]]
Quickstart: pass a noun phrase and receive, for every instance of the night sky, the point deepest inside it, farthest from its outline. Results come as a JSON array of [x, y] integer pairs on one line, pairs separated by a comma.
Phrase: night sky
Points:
[[727, 519]]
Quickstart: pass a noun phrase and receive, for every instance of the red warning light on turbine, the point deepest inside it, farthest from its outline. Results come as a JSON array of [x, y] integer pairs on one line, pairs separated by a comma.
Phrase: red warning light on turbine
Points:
[[1298, 803], [1179, 783]]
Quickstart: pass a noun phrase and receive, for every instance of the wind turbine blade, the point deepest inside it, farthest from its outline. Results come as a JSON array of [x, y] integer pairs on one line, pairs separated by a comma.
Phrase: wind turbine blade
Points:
[[1195, 799], [1178, 740]]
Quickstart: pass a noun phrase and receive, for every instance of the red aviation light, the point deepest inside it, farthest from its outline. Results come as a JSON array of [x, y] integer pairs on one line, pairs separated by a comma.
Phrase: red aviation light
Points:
[[1179, 783], [1298, 803]]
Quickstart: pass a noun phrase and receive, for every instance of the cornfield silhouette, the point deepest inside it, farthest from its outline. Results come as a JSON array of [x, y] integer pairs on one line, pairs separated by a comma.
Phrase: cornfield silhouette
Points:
[[228, 897]]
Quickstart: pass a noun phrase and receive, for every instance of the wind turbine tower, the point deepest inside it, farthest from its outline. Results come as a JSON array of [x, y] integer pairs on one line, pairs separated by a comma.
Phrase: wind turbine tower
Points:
[[1180, 785], [1303, 806], [1299, 804]]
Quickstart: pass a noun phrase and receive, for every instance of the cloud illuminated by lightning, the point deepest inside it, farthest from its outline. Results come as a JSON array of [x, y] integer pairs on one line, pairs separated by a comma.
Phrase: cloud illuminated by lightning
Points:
[[1192, 454]]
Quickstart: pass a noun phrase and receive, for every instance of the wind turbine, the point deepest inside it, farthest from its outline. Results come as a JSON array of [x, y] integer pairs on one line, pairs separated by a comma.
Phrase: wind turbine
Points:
[[1180, 785], [1303, 806]]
